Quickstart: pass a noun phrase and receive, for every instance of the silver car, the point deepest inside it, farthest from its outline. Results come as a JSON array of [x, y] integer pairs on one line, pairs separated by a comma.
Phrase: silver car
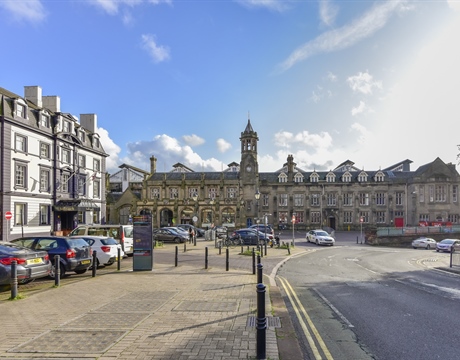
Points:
[[424, 243], [447, 244]]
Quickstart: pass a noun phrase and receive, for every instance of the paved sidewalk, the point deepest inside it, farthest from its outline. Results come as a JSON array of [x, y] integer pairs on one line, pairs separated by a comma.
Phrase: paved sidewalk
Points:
[[183, 312]]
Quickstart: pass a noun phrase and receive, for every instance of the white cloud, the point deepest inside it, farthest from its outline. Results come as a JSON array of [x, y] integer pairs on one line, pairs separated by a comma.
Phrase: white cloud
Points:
[[358, 109], [110, 148], [287, 139], [275, 5], [346, 36], [331, 77], [363, 83], [31, 10], [193, 140], [223, 145], [454, 4], [168, 151], [328, 12], [157, 53], [364, 135]]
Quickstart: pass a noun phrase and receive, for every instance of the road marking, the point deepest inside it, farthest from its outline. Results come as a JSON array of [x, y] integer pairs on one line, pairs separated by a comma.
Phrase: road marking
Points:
[[298, 308], [339, 314]]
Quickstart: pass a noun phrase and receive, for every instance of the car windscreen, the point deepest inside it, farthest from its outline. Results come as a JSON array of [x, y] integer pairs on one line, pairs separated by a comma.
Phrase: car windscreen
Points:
[[128, 230], [322, 233]]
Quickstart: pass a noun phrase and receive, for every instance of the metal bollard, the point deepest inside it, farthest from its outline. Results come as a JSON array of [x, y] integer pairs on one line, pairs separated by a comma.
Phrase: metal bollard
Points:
[[242, 249], [185, 246], [14, 279], [261, 320], [265, 248], [118, 259], [194, 240], [227, 259], [253, 261], [176, 257], [220, 248], [258, 259], [57, 270], [206, 257], [289, 249], [94, 263], [357, 239]]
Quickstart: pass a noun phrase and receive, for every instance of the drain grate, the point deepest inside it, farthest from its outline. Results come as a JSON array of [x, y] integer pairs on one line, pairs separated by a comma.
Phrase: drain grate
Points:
[[59, 341], [272, 322]]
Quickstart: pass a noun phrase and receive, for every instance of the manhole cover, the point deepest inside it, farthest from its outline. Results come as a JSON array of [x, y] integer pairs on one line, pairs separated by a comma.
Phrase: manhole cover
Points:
[[61, 341], [272, 322]]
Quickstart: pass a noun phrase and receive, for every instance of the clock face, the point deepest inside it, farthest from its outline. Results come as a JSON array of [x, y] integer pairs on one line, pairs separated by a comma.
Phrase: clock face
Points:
[[248, 168]]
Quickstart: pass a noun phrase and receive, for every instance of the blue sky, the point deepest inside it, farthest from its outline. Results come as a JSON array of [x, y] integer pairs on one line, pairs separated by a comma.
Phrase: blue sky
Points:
[[327, 81]]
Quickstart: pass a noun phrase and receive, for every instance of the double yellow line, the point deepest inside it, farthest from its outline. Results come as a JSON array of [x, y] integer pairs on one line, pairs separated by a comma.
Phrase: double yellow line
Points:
[[310, 329]]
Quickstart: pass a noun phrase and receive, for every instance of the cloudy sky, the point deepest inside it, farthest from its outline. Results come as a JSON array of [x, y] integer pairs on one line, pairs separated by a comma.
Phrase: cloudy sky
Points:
[[327, 81]]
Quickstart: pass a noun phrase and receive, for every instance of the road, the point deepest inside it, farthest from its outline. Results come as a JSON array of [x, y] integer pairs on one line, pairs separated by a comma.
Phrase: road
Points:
[[353, 301]]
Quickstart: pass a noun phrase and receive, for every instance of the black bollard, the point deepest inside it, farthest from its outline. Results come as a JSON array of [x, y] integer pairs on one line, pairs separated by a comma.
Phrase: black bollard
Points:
[[194, 240], [242, 249], [176, 257], [185, 246], [220, 247], [259, 273], [357, 239], [253, 261], [227, 259], [258, 259], [57, 270], [14, 279], [261, 321], [206, 257], [289, 249], [94, 263], [265, 248], [118, 259]]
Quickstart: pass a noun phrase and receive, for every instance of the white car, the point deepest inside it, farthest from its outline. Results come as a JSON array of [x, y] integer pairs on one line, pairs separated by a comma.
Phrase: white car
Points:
[[106, 249], [320, 237], [424, 243]]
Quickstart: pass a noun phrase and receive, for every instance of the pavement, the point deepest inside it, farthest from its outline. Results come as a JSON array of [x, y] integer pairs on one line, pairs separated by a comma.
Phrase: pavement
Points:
[[195, 310]]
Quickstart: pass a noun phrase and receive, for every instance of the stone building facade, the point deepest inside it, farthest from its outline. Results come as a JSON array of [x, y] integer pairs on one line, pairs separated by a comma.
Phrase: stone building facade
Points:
[[343, 198]]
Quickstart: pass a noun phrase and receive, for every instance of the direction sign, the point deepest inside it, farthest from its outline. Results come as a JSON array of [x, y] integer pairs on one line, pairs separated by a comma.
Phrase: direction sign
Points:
[[8, 215]]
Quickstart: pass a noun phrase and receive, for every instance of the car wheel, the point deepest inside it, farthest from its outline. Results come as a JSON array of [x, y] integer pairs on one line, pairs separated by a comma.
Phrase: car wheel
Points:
[[414, 247], [317, 242], [428, 247], [177, 240], [80, 271], [53, 271], [437, 250]]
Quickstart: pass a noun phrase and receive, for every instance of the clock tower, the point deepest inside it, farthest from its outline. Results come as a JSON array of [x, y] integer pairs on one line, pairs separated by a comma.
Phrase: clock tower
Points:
[[249, 167]]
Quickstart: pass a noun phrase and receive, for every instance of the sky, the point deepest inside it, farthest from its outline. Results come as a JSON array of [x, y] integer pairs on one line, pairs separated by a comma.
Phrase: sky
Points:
[[373, 82]]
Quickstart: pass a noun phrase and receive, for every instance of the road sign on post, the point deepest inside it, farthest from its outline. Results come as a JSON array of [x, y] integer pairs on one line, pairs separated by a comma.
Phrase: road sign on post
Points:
[[8, 215]]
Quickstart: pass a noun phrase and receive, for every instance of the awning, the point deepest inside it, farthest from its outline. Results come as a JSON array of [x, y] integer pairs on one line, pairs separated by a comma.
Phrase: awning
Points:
[[75, 205]]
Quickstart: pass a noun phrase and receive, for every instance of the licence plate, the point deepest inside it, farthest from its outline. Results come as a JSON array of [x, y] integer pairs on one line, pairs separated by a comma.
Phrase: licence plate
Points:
[[86, 261], [35, 261]]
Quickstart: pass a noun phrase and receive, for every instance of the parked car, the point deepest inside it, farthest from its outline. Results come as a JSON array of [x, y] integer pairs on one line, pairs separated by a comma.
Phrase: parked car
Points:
[[168, 234], [264, 228], [249, 236], [106, 249], [31, 264], [75, 253], [122, 233], [447, 244], [424, 243], [220, 230], [179, 230], [320, 237]]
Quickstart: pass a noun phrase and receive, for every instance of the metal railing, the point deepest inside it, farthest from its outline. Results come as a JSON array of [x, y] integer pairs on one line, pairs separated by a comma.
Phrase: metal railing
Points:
[[418, 230]]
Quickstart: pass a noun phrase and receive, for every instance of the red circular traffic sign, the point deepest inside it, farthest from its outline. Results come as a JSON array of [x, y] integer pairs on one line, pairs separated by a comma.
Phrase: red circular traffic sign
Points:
[[8, 215]]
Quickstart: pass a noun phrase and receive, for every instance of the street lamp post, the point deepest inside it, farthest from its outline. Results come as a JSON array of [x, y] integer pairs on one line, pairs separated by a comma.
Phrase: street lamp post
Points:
[[257, 196], [293, 222]]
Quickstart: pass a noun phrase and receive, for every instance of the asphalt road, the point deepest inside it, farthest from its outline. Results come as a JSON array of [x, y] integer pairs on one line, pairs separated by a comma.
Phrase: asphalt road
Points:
[[353, 301]]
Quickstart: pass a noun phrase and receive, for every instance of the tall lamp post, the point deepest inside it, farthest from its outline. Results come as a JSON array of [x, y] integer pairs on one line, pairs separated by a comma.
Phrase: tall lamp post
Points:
[[195, 199], [257, 196], [293, 222]]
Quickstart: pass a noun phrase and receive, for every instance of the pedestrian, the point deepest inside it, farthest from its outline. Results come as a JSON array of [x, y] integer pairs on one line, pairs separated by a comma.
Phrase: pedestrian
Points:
[[190, 235]]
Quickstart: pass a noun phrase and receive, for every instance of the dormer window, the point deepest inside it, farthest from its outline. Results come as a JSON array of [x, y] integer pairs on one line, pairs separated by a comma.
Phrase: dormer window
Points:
[[66, 126], [282, 178], [346, 178], [314, 177], [44, 120], [298, 178], [330, 178], [362, 177], [81, 135], [21, 109], [379, 177]]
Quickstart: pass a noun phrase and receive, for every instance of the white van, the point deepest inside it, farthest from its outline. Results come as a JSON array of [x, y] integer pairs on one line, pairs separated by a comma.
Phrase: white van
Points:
[[122, 233]]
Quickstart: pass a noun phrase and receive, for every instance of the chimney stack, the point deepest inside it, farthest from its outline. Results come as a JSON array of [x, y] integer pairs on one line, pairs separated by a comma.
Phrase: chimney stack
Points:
[[52, 103], [34, 94], [89, 122], [153, 165]]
